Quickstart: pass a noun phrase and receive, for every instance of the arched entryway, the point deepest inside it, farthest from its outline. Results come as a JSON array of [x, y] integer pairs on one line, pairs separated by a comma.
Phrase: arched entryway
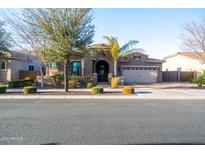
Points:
[[102, 70]]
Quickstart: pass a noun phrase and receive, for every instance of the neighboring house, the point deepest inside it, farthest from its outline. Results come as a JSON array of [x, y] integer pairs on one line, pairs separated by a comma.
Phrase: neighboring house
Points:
[[184, 61], [15, 61], [136, 68]]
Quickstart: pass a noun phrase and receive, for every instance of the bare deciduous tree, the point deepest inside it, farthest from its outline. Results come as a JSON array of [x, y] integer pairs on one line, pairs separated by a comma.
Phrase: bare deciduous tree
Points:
[[193, 38], [5, 38], [25, 38]]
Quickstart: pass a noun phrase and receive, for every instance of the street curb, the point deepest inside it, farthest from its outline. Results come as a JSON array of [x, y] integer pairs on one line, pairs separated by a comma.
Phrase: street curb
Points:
[[116, 97]]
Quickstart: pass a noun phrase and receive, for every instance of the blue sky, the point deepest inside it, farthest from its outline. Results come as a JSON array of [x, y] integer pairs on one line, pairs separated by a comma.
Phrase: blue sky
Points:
[[157, 30]]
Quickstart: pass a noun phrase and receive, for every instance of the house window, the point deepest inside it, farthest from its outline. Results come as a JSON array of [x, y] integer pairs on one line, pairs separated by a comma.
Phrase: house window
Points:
[[137, 57], [31, 67], [2, 65], [53, 65], [76, 68]]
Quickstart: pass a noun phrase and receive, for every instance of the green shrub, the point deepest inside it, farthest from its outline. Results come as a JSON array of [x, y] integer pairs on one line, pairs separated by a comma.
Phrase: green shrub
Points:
[[73, 84], [115, 82], [84, 80], [199, 81], [97, 90], [74, 77], [30, 90], [89, 85], [89, 79], [58, 78], [16, 84], [28, 81], [11, 84], [3, 89], [28, 78]]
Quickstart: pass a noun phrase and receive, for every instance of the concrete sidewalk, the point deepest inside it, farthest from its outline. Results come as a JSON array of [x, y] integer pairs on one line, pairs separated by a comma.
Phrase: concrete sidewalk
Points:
[[146, 93]]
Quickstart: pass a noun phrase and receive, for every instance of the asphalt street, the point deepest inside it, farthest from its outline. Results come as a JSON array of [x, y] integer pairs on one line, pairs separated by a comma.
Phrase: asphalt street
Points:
[[130, 122]]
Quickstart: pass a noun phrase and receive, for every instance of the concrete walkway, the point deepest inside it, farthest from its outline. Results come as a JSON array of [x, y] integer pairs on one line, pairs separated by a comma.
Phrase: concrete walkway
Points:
[[142, 93]]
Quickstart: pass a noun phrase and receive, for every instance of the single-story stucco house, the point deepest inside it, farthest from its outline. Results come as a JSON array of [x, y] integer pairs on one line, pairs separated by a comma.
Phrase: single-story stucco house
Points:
[[184, 61], [11, 63], [136, 68]]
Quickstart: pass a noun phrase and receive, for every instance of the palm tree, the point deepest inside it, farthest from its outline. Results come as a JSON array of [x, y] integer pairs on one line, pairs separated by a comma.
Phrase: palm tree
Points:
[[117, 51]]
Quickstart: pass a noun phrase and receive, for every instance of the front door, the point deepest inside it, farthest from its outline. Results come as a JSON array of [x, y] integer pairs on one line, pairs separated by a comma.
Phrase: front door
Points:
[[102, 71]]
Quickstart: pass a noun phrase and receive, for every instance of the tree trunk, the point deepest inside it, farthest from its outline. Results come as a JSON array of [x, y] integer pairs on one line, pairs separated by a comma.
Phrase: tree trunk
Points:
[[42, 76], [115, 67], [66, 62]]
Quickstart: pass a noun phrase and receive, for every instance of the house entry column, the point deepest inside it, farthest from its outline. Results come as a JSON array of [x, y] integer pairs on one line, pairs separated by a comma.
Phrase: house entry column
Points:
[[83, 66]]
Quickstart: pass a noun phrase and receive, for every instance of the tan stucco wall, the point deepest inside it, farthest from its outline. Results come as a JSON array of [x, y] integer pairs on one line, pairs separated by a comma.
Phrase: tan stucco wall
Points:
[[185, 63], [18, 65]]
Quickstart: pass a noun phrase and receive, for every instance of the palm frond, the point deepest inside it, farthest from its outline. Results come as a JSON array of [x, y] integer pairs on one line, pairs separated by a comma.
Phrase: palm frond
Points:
[[126, 47], [110, 40], [131, 51]]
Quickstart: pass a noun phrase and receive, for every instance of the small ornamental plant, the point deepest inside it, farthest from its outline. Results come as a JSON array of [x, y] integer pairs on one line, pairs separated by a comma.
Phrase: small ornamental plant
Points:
[[73, 84], [28, 78], [115, 82], [97, 90], [58, 78], [89, 85], [128, 90], [200, 81], [30, 90]]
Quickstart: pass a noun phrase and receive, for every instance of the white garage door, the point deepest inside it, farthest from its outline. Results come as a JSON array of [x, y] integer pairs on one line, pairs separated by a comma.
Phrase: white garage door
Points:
[[139, 75]]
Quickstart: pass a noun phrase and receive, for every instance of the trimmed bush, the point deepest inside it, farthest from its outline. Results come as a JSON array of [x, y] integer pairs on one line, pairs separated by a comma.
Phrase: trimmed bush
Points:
[[199, 81], [58, 78], [128, 90], [28, 81], [3, 89], [97, 90], [28, 78], [115, 82], [21, 83], [30, 90], [84, 80], [89, 85], [74, 77], [73, 84]]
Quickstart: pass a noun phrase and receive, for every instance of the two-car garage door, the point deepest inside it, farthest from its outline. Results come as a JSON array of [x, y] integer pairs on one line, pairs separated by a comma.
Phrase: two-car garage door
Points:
[[139, 74]]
